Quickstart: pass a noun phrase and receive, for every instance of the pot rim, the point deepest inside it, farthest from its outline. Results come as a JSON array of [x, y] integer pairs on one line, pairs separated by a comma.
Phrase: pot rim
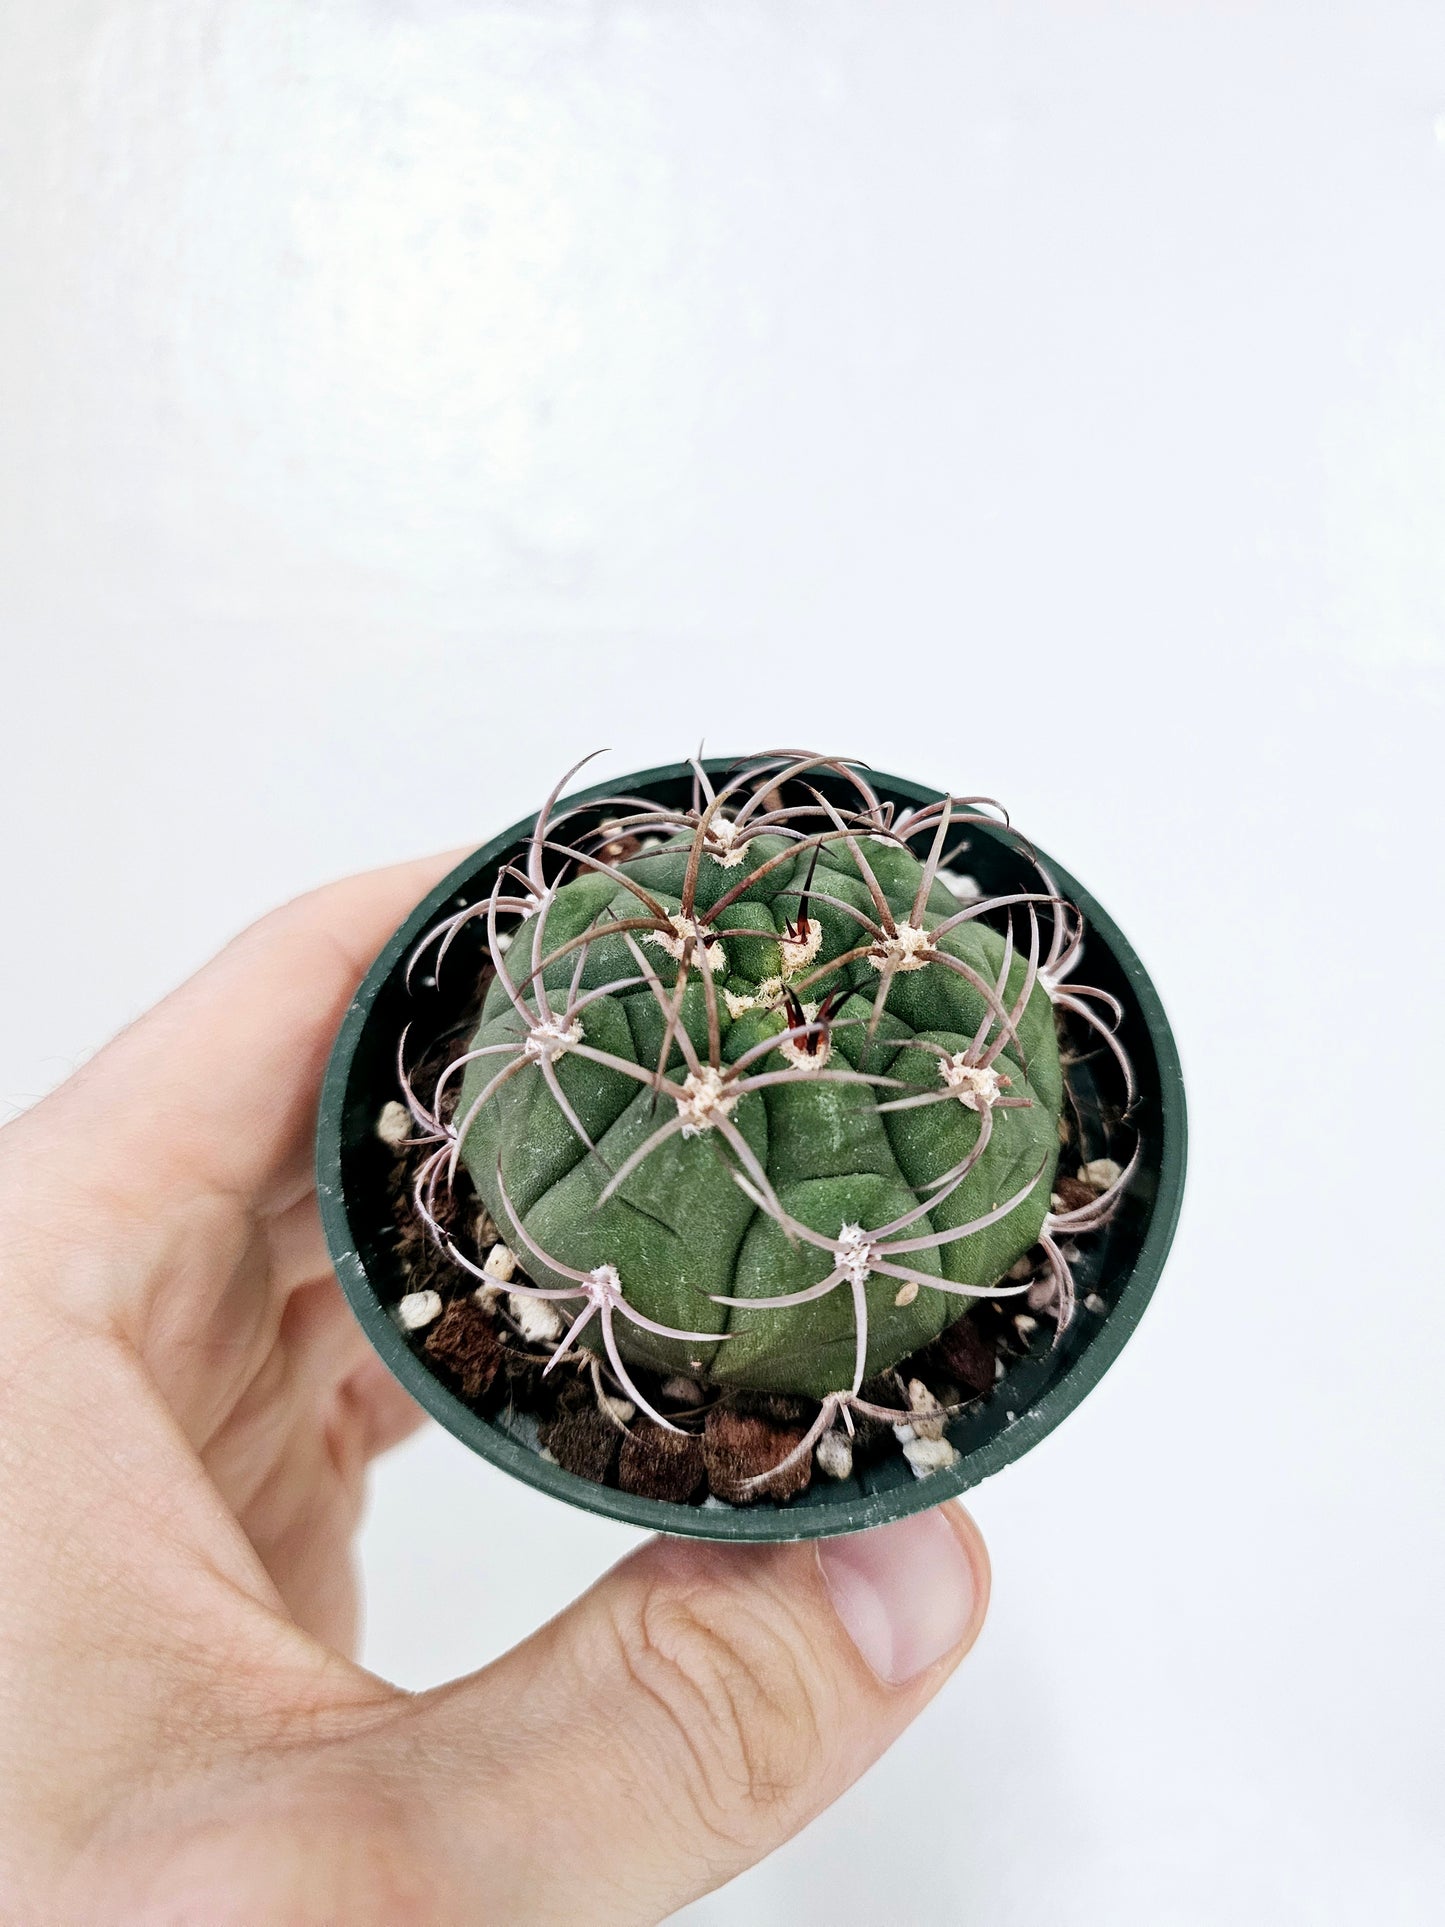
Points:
[[766, 1522]]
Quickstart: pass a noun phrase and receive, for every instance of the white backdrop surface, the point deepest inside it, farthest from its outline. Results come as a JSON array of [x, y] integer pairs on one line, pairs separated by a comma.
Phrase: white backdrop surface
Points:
[[1047, 399]]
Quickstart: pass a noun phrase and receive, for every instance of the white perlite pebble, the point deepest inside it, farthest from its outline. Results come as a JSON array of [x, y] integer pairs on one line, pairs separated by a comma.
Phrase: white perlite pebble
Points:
[[500, 1263], [487, 1297], [928, 1421], [538, 1321], [682, 1391], [928, 1456], [1100, 1173], [417, 1309], [620, 1410], [835, 1455], [393, 1126], [1095, 1303]]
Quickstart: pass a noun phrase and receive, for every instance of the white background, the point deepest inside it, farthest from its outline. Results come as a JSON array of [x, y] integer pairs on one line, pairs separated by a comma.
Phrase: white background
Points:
[[1046, 399]]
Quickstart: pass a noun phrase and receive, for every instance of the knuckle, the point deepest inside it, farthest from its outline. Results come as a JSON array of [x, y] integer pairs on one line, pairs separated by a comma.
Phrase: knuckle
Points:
[[747, 1707]]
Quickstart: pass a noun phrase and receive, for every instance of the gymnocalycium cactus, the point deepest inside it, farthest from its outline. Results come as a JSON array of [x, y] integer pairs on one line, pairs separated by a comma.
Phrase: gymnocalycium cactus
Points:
[[759, 1094]]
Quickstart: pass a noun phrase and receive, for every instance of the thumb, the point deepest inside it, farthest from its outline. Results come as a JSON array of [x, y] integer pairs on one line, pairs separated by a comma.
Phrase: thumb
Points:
[[690, 1713]]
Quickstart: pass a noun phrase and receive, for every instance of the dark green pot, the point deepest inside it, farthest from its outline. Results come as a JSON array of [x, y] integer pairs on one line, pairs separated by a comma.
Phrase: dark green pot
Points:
[[1120, 1264]]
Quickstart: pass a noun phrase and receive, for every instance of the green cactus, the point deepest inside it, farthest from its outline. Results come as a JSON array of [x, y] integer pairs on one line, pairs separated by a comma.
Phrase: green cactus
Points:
[[772, 1057]]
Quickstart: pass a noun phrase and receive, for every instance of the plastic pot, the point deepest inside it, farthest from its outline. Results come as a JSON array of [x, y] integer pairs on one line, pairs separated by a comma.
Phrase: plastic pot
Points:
[[1120, 1265]]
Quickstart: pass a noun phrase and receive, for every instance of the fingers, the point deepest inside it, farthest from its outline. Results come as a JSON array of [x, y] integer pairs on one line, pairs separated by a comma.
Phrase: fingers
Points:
[[214, 1091], [384, 1412], [290, 1459], [686, 1716]]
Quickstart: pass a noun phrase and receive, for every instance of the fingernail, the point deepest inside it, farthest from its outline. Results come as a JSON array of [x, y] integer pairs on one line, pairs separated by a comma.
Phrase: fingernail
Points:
[[906, 1593]]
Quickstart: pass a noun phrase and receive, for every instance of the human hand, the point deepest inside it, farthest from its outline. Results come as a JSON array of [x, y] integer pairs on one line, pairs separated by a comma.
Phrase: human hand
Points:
[[188, 1411]]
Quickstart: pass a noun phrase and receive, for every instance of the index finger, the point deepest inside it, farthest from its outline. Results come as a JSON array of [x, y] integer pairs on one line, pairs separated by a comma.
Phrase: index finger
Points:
[[213, 1092]]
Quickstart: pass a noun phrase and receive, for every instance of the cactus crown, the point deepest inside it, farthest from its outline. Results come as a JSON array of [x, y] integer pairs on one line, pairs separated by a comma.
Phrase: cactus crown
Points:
[[760, 1091]]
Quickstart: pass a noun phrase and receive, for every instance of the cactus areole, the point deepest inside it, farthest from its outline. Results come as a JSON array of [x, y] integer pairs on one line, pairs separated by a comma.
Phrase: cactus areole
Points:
[[761, 1092]]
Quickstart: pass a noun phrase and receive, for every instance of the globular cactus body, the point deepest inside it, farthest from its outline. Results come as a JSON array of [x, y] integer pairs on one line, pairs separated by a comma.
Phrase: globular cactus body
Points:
[[752, 1065]]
